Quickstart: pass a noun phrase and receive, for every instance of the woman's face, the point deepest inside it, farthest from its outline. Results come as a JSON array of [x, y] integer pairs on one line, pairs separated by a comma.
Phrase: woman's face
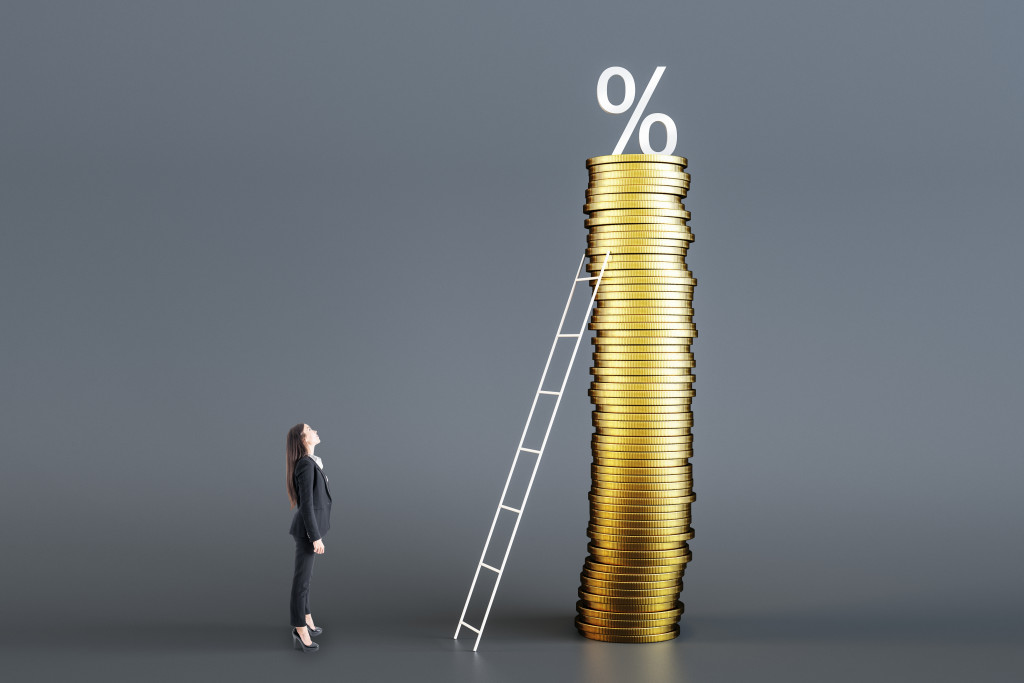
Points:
[[309, 436]]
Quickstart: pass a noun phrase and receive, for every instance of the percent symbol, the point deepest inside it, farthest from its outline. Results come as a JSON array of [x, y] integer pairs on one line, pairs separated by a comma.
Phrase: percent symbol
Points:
[[627, 102]]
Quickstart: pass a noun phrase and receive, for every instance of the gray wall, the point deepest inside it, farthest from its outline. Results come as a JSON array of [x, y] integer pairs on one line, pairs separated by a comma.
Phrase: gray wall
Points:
[[220, 219]]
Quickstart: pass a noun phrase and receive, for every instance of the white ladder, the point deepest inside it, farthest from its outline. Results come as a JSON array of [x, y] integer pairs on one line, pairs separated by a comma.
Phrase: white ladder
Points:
[[518, 512]]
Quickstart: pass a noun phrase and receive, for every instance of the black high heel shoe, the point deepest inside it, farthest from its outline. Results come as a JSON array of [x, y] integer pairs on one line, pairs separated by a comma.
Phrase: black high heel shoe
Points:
[[299, 645], [313, 632]]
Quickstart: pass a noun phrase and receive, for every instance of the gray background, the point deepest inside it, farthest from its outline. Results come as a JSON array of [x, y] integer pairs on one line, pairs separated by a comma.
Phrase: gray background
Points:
[[223, 218]]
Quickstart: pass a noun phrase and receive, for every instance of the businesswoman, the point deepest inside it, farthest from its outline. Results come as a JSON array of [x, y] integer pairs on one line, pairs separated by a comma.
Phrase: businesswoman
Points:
[[307, 490]]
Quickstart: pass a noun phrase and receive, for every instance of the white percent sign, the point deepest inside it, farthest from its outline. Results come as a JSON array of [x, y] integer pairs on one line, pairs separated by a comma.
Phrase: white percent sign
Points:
[[627, 102]]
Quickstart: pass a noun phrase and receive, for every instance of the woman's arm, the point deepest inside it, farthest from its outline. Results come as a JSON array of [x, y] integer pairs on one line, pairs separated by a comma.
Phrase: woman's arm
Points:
[[304, 484]]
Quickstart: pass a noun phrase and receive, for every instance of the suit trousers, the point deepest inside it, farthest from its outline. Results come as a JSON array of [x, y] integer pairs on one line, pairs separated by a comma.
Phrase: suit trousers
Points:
[[304, 557]]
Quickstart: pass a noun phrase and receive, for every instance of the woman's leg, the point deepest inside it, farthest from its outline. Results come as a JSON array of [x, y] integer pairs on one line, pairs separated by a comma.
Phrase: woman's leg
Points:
[[299, 604]]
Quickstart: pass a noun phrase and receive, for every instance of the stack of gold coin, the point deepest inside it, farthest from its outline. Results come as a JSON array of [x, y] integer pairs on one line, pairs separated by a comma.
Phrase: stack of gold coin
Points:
[[642, 388]]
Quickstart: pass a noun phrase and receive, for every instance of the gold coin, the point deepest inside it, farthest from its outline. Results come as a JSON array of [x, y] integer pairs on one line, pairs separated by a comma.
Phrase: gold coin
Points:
[[637, 160], [645, 180], [674, 612], [647, 431], [605, 461], [626, 604], [631, 474], [608, 353], [620, 245], [599, 251], [606, 345], [627, 621], [595, 616], [641, 440], [645, 314], [660, 594], [674, 211], [648, 188], [630, 409], [668, 194], [683, 402], [613, 393], [599, 422], [648, 337], [650, 280], [643, 282], [654, 220], [598, 175], [639, 306], [625, 492], [612, 572], [680, 451], [609, 638], [614, 504], [616, 583], [661, 371], [611, 240], [658, 383], [646, 604], [643, 536], [583, 624], [670, 556], [620, 493], [640, 481], [653, 632], [645, 308], [630, 383], [617, 398], [649, 265], [607, 481], [629, 297], [671, 527], [624, 299], [682, 493], [645, 327], [599, 513], [678, 517], [650, 258], [637, 509], [668, 532], [630, 231], [620, 620], [673, 187], [683, 470], [662, 352], [679, 292], [624, 242], [653, 594]]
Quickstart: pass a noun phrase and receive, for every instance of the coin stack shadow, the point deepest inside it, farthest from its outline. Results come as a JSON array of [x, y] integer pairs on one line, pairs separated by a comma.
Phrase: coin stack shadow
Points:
[[642, 484]]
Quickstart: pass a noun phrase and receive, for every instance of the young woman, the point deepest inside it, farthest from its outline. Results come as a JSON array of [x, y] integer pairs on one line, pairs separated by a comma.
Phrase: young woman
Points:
[[307, 490]]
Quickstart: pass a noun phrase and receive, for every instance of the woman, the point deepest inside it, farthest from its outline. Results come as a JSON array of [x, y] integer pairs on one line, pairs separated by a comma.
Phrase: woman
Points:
[[308, 490]]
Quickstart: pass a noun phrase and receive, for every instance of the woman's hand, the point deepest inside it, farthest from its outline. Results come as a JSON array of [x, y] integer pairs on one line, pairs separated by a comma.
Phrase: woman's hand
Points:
[[318, 546]]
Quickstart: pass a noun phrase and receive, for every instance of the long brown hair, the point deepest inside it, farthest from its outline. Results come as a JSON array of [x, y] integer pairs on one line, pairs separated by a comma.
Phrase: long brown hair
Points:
[[294, 449]]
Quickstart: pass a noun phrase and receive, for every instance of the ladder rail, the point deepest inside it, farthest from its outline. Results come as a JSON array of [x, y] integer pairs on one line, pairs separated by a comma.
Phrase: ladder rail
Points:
[[540, 453]]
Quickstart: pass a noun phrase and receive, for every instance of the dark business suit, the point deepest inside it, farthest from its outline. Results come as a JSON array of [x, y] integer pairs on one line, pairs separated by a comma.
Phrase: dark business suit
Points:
[[311, 521]]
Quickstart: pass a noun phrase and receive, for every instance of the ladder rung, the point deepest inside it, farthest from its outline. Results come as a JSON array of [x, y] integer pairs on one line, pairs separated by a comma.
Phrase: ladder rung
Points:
[[553, 393], [568, 335], [469, 627], [585, 279], [493, 569], [518, 512], [530, 450]]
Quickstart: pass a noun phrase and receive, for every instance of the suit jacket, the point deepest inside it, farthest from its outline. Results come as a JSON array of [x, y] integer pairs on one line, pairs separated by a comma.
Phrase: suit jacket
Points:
[[313, 517]]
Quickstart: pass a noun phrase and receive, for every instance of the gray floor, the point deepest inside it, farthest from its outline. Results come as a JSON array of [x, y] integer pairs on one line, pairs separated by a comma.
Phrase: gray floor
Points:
[[535, 648]]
